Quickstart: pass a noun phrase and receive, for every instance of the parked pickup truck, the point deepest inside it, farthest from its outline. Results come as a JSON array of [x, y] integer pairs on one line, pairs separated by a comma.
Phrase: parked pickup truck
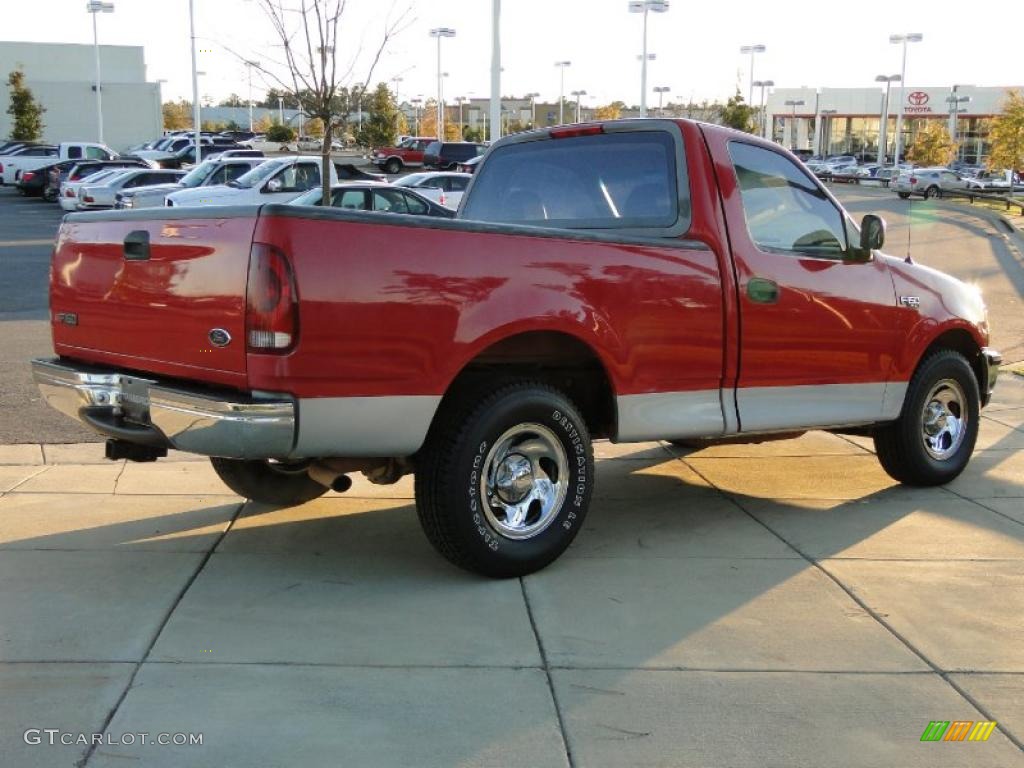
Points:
[[407, 154], [631, 280], [272, 181], [14, 165]]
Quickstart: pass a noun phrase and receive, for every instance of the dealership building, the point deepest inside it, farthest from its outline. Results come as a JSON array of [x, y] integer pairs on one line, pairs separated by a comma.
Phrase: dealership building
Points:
[[62, 76], [848, 121]]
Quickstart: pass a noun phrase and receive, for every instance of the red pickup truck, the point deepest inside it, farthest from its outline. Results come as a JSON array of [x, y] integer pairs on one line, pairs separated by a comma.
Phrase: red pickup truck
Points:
[[630, 280], [408, 154]]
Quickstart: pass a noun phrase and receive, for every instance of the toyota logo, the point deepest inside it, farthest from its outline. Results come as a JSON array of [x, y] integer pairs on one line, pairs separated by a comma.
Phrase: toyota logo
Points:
[[918, 98]]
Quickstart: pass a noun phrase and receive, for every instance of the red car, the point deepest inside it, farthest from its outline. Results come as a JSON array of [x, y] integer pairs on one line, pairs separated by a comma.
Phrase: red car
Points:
[[408, 154], [630, 280]]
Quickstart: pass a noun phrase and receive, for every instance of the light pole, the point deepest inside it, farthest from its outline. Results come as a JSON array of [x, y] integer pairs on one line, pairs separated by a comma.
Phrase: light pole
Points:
[[753, 50], [301, 115], [661, 90], [825, 137], [762, 84], [533, 108], [416, 114], [96, 7], [280, 110], [561, 89], [578, 95], [495, 105], [794, 103], [954, 102], [196, 126], [249, 65], [910, 37], [438, 33], [883, 135], [645, 7], [461, 100]]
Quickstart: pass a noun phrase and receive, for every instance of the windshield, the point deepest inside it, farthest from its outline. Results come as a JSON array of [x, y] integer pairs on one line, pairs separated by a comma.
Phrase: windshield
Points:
[[257, 175], [199, 174], [413, 179], [312, 197], [98, 175]]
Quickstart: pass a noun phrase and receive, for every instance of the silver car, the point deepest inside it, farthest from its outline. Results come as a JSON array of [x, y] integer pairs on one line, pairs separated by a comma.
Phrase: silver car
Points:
[[927, 182], [206, 174], [101, 195]]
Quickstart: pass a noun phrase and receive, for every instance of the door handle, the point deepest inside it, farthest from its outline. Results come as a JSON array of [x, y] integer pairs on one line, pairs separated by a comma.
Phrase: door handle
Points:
[[763, 291], [136, 245]]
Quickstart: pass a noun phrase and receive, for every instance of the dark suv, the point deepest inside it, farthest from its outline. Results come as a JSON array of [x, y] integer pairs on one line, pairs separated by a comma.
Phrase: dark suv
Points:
[[449, 154]]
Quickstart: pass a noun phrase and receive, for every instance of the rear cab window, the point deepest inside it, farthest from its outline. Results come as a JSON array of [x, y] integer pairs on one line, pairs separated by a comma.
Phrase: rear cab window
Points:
[[629, 180]]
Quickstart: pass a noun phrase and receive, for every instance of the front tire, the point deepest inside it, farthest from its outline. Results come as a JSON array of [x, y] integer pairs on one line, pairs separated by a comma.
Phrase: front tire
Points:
[[393, 166], [267, 482], [933, 439], [505, 478], [931, 192], [904, 195]]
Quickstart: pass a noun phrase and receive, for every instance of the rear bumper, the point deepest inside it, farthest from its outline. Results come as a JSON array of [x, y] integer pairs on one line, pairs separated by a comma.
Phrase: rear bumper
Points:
[[992, 360], [148, 412]]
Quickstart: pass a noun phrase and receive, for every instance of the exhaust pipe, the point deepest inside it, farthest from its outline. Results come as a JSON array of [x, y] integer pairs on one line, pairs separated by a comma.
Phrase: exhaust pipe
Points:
[[330, 478]]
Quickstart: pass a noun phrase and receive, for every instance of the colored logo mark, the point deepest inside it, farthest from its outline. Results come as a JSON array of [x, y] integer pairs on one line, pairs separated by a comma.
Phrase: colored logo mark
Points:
[[958, 730]]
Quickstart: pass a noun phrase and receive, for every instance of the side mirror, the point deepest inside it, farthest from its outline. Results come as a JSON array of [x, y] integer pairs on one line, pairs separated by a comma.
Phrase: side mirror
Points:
[[274, 185], [872, 232]]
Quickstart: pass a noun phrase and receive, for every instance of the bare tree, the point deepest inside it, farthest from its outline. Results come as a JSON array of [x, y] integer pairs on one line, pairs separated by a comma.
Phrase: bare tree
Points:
[[309, 71]]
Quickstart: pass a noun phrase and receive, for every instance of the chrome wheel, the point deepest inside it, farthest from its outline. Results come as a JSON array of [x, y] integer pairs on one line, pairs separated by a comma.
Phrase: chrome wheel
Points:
[[944, 420], [524, 482]]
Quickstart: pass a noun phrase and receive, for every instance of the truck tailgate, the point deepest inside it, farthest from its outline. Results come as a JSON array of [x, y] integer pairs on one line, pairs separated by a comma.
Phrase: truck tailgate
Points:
[[154, 309]]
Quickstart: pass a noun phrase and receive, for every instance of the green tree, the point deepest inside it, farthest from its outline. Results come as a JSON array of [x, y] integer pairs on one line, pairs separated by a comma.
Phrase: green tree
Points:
[[25, 111], [611, 111], [282, 133], [380, 129], [737, 114], [473, 134], [1007, 135], [932, 145], [234, 100]]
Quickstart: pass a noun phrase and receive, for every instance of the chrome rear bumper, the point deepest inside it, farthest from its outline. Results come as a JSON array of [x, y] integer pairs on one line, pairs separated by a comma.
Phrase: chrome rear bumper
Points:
[[148, 412]]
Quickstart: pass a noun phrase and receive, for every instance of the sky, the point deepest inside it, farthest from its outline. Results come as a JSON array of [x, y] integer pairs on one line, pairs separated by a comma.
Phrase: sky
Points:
[[696, 44]]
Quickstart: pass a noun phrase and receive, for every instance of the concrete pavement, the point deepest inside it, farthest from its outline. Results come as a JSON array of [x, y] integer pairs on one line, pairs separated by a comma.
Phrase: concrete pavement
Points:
[[776, 605]]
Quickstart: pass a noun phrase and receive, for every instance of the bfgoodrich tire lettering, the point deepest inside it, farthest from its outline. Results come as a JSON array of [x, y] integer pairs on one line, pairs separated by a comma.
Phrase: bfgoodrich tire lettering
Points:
[[934, 437], [264, 482], [504, 481]]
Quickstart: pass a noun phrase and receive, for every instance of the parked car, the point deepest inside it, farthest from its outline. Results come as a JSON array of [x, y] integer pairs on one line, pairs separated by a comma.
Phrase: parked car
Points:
[[443, 187], [989, 180], [407, 154], [315, 144], [95, 195], [592, 285], [348, 172], [31, 158], [277, 180], [207, 174], [927, 182], [88, 171], [445, 156], [376, 196], [35, 183], [469, 166]]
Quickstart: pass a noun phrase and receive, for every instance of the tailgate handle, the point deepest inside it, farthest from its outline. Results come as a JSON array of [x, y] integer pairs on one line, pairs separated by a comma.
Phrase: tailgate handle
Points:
[[136, 245]]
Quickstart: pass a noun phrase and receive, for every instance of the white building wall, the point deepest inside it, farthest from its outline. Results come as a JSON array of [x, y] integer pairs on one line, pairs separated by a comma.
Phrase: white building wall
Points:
[[61, 77]]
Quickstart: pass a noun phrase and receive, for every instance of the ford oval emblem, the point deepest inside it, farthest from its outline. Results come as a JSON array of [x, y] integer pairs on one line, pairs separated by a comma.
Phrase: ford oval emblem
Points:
[[219, 337]]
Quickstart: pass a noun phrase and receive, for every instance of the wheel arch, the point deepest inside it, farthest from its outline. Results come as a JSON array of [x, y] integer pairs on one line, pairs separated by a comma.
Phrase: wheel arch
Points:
[[556, 357], [959, 340]]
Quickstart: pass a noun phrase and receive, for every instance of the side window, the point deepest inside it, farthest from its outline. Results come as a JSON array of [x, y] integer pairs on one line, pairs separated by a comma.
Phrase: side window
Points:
[[299, 177], [75, 152], [414, 205], [232, 172], [624, 180], [137, 180], [95, 153], [389, 200], [785, 210], [219, 176], [457, 183], [350, 199]]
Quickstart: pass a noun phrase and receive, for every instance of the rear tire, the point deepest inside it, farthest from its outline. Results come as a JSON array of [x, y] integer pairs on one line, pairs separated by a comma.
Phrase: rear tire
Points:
[[933, 439], [904, 195], [393, 166], [261, 481], [931, 192], [505, 478]]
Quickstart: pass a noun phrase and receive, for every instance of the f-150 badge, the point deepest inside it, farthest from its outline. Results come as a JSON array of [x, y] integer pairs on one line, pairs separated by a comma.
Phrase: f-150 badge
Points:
[[910, 301]]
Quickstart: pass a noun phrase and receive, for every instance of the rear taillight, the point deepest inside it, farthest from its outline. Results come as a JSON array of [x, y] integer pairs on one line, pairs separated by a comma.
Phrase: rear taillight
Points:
[[1, 167], [913, 179], [88, 199], [271, 301], [575, 131], [28, 176], [441, 201], [69, 192]]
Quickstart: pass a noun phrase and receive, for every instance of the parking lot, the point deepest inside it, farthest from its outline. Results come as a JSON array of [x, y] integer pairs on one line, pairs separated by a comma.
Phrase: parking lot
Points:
[[761, 605]]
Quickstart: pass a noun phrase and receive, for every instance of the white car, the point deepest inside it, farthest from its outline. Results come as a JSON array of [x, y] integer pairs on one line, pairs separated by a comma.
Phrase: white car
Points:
[[927, 182], [69, 189], [443, 187], [95, 195], [31, 158], [992, 180], [278, 180], [208, 173]]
